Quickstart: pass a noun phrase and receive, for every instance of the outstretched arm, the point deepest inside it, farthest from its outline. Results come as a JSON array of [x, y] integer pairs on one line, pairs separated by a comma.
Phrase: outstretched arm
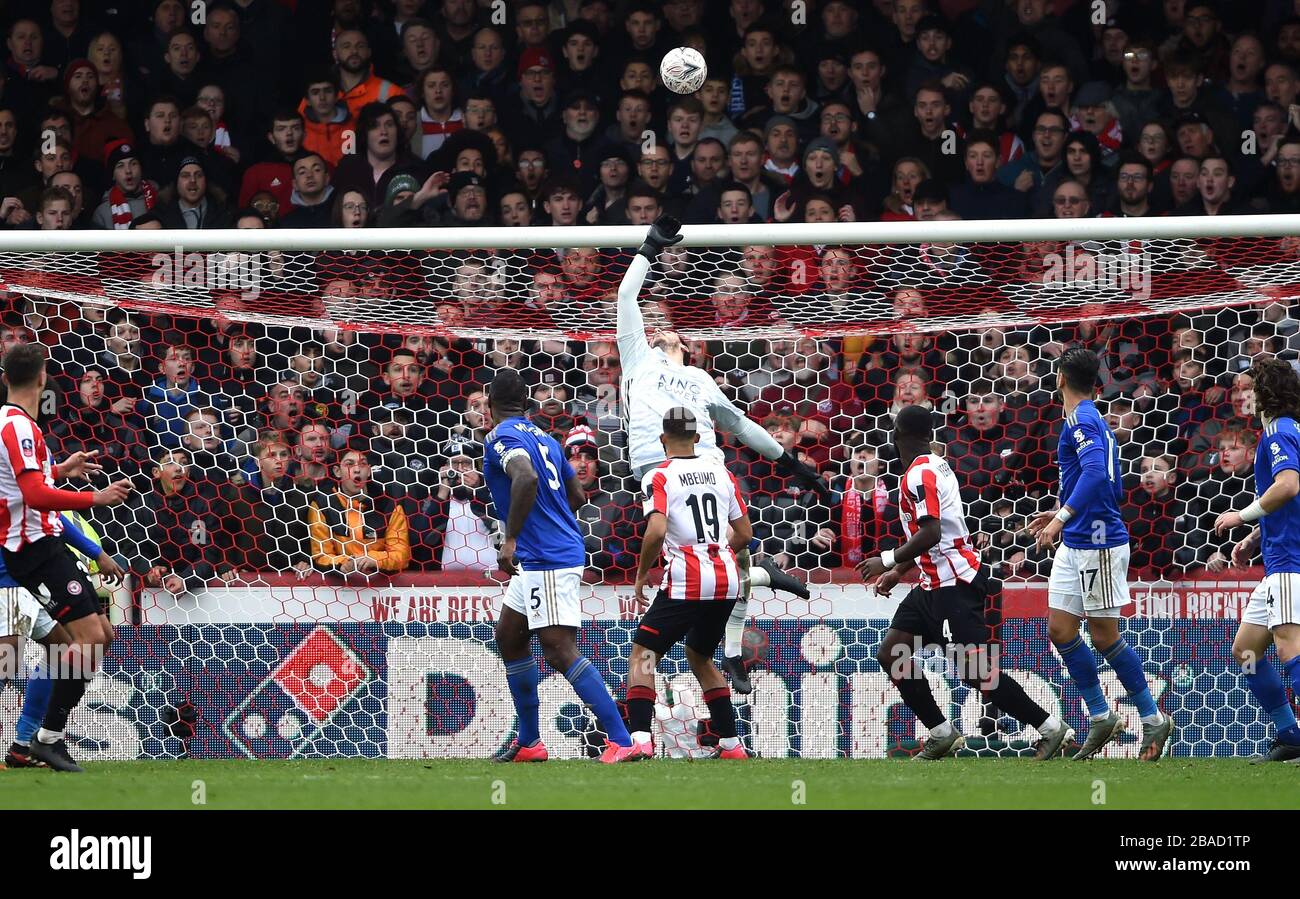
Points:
[[748, 432], [631, 324]]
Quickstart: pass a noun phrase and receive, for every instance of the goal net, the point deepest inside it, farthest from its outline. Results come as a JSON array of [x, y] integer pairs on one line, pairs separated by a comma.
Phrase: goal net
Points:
[[287, 403]]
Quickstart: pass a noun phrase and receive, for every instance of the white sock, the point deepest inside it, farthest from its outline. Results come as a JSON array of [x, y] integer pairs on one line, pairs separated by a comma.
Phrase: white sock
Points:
[[736, 628], [1050, 726], [729, 742], [1102, 717], [641, 736], [758, 577], [1157, 718], [942, 731], [49, 736]]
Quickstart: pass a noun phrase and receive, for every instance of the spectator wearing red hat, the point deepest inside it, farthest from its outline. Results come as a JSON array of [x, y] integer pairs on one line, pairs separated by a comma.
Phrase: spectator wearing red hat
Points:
[[131, 195], [532, 115], [608, 517], [94, 126]]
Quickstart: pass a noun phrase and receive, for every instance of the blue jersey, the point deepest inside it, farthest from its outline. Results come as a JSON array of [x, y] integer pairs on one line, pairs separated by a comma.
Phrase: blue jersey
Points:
[[550, 537], [1278, 450], [1090, 481]]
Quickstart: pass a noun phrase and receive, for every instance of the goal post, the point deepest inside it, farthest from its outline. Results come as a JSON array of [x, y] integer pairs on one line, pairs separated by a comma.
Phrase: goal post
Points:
[[230, 374]]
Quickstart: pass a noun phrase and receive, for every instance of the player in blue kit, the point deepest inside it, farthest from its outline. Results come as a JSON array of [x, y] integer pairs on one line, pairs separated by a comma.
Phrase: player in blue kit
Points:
[[1090, 569], [22, 617], [535, 492], [1272, 616]]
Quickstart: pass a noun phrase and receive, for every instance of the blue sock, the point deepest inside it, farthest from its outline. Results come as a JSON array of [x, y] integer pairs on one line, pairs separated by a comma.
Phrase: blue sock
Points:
[[1265, 682], [1129, 668], [1082, 665], [521, 674], [1292, 669], [592, 690], [36, 699]]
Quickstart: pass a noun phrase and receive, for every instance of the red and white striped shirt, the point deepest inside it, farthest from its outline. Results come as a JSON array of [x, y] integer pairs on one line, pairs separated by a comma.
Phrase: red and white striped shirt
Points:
[[930, 490], [24, 450], [433, 134], [699, 497]]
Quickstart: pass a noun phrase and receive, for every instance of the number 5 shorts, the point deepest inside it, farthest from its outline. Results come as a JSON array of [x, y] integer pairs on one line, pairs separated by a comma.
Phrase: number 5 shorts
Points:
[[1090, 582], [547, 598]]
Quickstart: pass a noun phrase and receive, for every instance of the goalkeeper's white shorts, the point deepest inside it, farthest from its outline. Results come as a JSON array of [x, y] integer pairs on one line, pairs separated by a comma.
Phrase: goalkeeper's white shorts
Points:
[[1275, 601], [22, 616]]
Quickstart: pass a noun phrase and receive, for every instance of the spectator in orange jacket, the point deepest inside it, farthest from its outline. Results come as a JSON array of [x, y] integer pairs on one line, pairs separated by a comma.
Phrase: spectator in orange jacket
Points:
[[355, 530], [357, 79], [326, 119]]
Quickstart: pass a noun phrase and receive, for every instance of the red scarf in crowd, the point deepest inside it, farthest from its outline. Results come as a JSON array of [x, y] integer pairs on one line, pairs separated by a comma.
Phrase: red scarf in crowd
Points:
[[851, 526], [120, 206]]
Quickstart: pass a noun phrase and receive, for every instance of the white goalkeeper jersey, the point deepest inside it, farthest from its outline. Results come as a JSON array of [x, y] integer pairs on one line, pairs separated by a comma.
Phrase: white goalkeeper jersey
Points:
[[699, 497], [652, 385]]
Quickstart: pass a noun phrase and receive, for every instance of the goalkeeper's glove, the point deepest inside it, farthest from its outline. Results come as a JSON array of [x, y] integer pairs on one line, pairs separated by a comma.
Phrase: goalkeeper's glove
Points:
[[663, 233], [804, 475]]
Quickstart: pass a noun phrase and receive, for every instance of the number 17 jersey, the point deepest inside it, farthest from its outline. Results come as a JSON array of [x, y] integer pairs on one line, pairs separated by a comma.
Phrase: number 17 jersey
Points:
[[699, 497]]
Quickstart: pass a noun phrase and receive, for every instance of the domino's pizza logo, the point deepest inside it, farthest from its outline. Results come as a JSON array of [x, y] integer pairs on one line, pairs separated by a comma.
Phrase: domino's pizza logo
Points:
[[285, 714]]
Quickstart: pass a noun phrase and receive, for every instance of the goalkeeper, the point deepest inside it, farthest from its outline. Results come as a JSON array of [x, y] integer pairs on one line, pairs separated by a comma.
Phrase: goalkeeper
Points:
[[656, 379]]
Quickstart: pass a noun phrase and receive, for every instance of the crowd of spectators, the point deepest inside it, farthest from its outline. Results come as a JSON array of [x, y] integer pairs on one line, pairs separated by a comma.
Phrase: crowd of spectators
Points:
[[265, 448], [259, 447]]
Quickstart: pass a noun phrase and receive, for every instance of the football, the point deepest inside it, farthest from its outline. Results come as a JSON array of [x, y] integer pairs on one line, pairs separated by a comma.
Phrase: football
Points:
[[683, 70]]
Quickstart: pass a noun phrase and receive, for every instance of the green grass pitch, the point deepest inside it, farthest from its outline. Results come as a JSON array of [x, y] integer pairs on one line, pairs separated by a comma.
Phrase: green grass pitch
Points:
[[660, 784]]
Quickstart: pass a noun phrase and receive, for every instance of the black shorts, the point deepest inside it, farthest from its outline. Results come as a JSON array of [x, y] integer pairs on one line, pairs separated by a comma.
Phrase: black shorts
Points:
[[956, 614], [667, 621], [50, 564]]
